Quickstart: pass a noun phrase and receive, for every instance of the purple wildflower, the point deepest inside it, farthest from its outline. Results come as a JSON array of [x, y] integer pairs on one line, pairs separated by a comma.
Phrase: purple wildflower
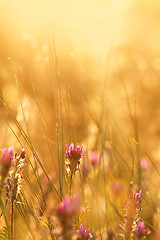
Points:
[[132, 210], [94, 158], [66, 211], [22, 155], [84, 233], [7, 156], [141, 230], [14, 179], [85, 169], [117, 188], [6, 162], [144, 164], [73, 157], [136, 196]]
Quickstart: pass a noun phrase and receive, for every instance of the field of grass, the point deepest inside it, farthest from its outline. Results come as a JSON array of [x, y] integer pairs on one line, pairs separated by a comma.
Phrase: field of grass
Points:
[[79, 120]]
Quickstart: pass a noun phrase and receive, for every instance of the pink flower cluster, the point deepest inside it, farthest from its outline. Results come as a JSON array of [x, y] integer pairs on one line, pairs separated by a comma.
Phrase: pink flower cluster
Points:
[[73, 157], [84, 233], [11, 179], [68, 209], [141, 230], [144, 164], [6, 162], [73, 153], [7, 156], [94, 158], [136, 196]]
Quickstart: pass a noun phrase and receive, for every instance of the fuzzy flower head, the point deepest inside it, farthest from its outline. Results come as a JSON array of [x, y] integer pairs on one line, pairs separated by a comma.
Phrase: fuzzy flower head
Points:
[[94, 158], [66, 211], [6, 161], [144, 164], [141, 230], [68, 208], [14, 180], [118, 189], [6, 156], [73, 158], [131, 215], [85, 169], [136, 196], [84, 233]]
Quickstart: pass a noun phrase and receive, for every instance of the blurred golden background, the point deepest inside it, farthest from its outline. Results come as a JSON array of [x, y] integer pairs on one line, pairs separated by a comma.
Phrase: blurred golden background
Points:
[[108, 48], [70, 69]]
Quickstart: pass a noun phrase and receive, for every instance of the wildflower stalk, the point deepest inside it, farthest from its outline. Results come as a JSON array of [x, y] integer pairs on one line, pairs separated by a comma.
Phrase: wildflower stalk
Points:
[[131, 216], [84, 233], [72, 163], [70, 188], [12, 220], [66, 212]]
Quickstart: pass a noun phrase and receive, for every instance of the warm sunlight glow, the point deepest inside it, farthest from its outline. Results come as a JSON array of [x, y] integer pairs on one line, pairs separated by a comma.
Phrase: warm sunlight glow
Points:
[[79, 119]]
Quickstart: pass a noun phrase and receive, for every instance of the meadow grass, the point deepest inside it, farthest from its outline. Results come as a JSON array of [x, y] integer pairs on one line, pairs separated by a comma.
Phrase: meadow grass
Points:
[[97, 191], [79, 155]]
